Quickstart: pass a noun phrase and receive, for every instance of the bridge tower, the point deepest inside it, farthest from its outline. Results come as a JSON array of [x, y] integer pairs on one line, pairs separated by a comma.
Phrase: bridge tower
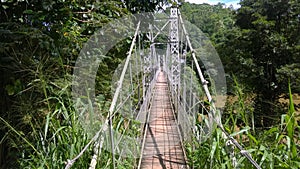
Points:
[[174, 55]]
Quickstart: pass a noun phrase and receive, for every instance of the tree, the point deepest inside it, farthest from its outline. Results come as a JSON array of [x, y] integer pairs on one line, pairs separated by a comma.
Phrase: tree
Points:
[[40, 42], [269, 41]]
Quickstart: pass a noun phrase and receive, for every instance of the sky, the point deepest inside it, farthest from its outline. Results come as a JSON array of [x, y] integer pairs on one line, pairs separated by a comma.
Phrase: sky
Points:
[[213, 2]]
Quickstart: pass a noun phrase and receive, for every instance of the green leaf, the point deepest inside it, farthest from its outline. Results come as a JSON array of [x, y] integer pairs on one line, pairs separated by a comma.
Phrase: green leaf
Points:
[[271, 131], [264, 157], [213, 150], [253, 138], [29, 11], [10, 90], [5, 6], [46, 126], [241, 131]]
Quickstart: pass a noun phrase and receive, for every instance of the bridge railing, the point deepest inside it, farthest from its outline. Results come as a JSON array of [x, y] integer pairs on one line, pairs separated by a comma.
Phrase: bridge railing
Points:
[[121, 130], [197, 114]]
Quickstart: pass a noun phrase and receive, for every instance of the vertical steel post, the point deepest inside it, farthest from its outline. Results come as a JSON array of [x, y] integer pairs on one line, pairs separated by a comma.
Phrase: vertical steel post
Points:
[[174, 47], [147, 65]]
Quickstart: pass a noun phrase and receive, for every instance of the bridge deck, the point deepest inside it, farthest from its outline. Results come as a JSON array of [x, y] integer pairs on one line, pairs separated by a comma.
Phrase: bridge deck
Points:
[[162, 146]]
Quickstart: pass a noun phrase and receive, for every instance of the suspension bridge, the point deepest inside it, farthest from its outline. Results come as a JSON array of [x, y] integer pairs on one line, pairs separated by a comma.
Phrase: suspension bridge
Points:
[[161, 99]]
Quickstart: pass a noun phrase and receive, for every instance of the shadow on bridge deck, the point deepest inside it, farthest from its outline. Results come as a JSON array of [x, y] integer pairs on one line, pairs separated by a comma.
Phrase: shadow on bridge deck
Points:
[[163, 148]]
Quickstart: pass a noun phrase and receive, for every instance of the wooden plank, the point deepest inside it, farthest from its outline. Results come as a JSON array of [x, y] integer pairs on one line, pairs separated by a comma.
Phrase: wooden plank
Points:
[[162, 145]]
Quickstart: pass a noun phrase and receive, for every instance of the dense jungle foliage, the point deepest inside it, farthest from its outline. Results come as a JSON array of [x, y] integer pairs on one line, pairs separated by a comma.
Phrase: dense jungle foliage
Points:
[[259, 45]]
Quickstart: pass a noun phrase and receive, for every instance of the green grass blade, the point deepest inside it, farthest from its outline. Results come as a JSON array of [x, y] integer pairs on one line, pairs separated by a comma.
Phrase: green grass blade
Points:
[[19, 134], [47, 125]]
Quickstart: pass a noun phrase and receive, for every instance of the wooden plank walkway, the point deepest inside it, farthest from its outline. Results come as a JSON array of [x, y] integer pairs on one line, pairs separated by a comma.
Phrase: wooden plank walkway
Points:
[[163, 148]]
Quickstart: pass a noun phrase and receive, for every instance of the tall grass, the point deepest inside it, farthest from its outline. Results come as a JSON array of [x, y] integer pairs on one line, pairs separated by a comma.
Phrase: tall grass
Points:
[[53, 140], [59, 137], [42, 128], [277, 147]]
